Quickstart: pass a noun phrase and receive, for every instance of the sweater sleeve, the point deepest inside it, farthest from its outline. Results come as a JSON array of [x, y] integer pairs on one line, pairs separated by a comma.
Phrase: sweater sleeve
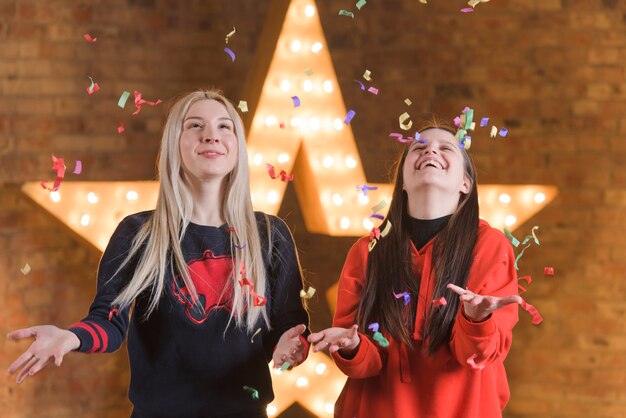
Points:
[[492, 273], [285, 277], [367, 360], [104, 328]]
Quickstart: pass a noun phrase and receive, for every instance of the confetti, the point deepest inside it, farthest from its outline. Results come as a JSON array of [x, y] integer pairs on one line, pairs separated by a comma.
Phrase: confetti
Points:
[[360, 4], [285, 366], [252, 391], [296, 101], [364, 188], [403, 117], [467, 10], [532, 232], [231, 33], [230, 53], [424, 1], [377, 216], [281, 125], [231, 229], [398, 137], [405, 295], [258, 300], [94, 87], [88, 38], [240, 247], [122, 100], [468, 114], [255, 334], [139, 101], [373, 90], [375, 233], [361, 83], [386, 230], [283, 174], [78, 167], [534, 313], [308, 294], [113, 312], [494, 132], [26, 269], [520, 256], [346, 13], [511, 238], [484, 122], [349, 117], [440, 302], [527, 279], [121, 128], [58, 164], [548, 271], [308, 71], [382, 341], [503, 132], [373, 326], [408, 101], [367, 75], [457, 121], [472, 363], [243, 106], [379, 206]]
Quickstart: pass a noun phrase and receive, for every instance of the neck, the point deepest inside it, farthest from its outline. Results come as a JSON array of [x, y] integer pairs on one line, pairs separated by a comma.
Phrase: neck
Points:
[[431, 204], [207, 202]]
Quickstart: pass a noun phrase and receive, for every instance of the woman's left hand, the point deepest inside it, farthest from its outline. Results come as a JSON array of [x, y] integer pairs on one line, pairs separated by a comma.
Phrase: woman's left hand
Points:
[[289, 347], [478, 307]]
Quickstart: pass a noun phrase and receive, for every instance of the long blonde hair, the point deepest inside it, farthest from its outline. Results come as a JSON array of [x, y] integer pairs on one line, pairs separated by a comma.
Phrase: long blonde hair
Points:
[[158, 240]]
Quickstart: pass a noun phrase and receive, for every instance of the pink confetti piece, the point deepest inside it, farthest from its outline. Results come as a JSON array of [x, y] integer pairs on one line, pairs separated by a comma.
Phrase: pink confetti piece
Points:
[[548, 271], [121, 128], [365, 188], [373, 90], [361, 83], [467, 10], [58, 164], [296, 101], [349, 117], [139, 102], [281, 125], [88, 38], [398, 137], [94, 87], [457, 121], [230, 53], [373, 326], [113, 312], [284, 176], [258, 300], [78, 168], [472, 363], [440, 302], [375, 233], [405, 295], [534, 313]]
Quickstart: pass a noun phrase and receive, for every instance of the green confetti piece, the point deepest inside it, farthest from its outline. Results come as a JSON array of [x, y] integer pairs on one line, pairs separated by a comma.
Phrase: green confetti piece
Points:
[[122, 101], [285, 366], [469, 115], [382, 341], [346, 13], [252, 391], [360, 4], [520, 256], [511, 238]]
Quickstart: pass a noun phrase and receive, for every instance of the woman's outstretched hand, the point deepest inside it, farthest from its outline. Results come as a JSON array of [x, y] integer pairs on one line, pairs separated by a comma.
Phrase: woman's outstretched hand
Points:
[[289, 347], [478, 307], [51, 343], [335, 339]]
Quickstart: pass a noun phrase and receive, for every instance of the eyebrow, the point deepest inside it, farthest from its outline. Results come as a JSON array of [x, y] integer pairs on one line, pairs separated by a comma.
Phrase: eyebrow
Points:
[[200, 118]]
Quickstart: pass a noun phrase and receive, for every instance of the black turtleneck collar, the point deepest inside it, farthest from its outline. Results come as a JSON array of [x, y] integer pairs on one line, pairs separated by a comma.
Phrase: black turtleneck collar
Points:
[[422, 230]]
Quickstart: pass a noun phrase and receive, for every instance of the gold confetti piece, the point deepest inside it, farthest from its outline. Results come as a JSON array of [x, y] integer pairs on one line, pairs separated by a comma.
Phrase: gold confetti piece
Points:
[[473, 3], [26, 269], [243, 106], [423, 2], [381, 205], [386, 230], [367, 75], [472, 126], [467, 142], [308, 294], [408, 101], [494, 131], [308, 71], [255, 334], [532, 232], [231, 33], [403, 117]]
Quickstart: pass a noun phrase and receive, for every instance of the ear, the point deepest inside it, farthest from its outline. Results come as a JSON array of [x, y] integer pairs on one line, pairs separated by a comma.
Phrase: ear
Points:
[[466, 186]]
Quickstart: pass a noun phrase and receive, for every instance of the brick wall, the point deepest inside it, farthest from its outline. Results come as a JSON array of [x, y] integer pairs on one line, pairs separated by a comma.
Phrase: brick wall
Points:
[[550, 70]]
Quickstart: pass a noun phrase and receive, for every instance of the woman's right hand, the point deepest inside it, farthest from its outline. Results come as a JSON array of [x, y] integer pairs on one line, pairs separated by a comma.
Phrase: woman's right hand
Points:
[[334, 339], [50, 343]]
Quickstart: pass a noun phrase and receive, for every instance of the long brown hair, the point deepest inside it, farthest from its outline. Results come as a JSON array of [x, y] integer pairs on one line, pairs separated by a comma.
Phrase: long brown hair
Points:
[[389, 263]]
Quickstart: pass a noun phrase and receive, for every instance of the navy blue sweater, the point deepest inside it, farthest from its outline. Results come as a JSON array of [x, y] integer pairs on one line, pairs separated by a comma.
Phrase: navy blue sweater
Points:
[[182, 362]]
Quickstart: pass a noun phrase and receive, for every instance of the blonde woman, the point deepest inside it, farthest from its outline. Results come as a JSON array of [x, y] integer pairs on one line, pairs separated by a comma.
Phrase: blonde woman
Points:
[[214, 286]]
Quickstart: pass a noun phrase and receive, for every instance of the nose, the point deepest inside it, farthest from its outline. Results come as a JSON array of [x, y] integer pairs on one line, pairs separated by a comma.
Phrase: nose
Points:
[[430, 149], [209, 136]]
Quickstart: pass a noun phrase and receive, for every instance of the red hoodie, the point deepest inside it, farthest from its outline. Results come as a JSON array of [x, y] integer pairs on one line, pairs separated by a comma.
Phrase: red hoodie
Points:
[[401, 382]]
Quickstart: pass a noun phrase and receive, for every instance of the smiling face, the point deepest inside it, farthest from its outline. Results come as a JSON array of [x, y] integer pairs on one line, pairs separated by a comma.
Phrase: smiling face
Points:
[[435, 163], [208, 143]]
